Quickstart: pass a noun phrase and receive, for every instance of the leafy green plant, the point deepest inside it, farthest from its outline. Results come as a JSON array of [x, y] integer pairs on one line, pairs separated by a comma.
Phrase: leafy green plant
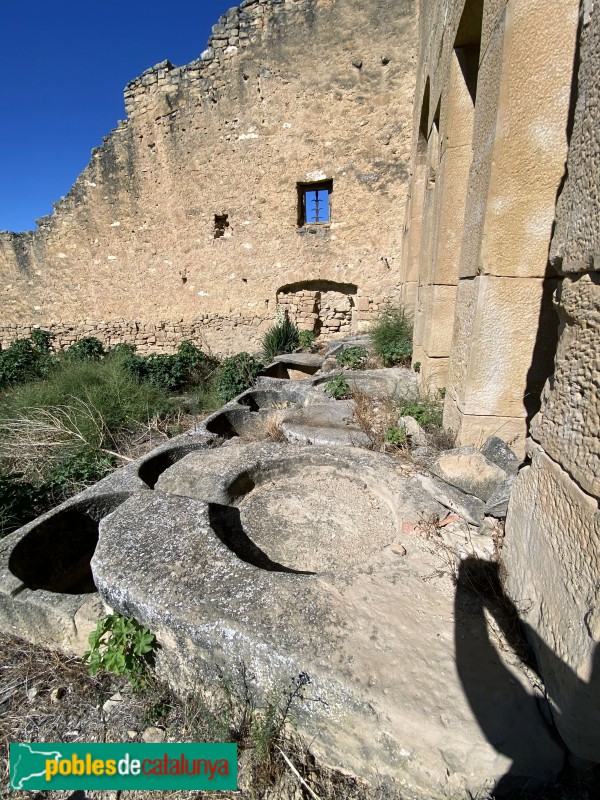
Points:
[[306, 339], [417, 366], [20, 502], [87, 349], [395, 436], [41, 340], [281, 338], [188, 367], [26, 359], [122, 646], [351, 357], [428, 413], [337, 387], [237, 374], [391, 335], [73, 474]]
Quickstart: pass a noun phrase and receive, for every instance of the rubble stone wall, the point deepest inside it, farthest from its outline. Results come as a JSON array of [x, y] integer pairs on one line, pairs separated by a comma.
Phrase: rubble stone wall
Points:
[[286, 93]]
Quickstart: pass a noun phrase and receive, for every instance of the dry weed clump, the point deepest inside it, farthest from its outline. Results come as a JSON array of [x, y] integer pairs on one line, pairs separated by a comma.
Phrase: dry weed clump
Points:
[[375, 417], [46, 696]]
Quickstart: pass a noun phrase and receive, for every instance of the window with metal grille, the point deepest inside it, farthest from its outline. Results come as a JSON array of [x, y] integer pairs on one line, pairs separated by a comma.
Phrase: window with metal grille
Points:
[[314, 203]]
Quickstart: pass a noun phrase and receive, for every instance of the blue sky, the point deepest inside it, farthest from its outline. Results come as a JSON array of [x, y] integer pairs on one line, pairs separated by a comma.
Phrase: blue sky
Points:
[[64, 65]]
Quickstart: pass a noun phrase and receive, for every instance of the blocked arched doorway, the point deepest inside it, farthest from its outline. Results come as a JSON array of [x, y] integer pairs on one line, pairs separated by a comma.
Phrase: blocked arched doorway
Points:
[[322, 307]]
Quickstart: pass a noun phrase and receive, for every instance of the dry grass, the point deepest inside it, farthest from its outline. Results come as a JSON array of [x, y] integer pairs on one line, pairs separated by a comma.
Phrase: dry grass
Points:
[[47, 696], [375, 416], [273, 429]]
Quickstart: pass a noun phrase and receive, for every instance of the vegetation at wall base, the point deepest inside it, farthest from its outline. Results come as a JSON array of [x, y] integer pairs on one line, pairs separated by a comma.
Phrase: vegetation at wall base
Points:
[[306, 340], [391, 335], [426, 411], [237, 374], [283, 337]]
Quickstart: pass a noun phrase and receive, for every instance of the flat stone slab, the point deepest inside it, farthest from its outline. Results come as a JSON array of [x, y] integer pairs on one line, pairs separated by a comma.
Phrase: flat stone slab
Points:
[[293, 566], [301, 359], [323, 424], [397, 382]]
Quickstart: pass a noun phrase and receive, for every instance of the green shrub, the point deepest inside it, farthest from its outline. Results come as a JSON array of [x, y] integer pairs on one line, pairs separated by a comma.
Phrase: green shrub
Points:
[[351, 357], [188, 367], [74, 473], [428, 413], [337, 387], [122, 646], [281, 338], [87, 349], [395, 436], [87, 402], [391, 335], [237, 374], [26, 359], [20, 502], [417, 366], [306, 339]]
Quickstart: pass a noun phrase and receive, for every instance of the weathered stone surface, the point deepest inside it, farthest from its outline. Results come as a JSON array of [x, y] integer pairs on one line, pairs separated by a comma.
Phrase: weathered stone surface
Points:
[[396, 382], [468, 507], [552, 557], [568, 426], [470, 471], [308, 360], [497, 503], [326, 424], [414, 431], [372, 636], [498, 452]]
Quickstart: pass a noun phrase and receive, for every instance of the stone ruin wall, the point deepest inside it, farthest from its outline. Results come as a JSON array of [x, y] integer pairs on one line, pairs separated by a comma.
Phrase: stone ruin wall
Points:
[[285, 92], [505, 286]]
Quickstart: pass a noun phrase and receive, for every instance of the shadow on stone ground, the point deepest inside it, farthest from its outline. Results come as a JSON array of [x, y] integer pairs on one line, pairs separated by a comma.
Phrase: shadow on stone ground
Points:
[[482, 673]]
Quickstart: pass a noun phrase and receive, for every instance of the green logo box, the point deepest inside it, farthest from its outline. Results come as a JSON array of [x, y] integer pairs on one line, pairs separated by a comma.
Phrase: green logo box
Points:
[[45, 766]]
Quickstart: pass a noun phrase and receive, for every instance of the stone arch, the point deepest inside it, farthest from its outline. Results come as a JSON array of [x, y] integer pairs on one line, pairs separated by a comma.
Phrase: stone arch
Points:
[[320, 306]]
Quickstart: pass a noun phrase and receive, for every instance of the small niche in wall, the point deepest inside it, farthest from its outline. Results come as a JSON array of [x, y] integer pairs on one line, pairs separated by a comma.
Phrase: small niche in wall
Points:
[[222, 228]]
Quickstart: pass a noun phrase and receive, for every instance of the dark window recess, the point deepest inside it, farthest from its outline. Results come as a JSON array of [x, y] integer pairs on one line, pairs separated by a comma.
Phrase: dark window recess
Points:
[[314, 203], [222, 226]]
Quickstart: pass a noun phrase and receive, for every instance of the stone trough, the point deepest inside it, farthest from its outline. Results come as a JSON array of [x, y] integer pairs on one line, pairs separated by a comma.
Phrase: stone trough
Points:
[[261, 560]]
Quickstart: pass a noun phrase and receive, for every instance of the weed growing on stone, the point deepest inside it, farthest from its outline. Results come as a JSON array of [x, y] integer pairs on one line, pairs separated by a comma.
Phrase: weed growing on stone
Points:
[[391, 335], [122, 646], [395, 436], [352, 357], [427, 412], [337, 387], [306, 340]]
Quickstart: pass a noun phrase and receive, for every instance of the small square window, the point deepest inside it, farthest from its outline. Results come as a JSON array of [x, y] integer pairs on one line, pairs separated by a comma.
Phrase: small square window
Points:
[[314, 203]]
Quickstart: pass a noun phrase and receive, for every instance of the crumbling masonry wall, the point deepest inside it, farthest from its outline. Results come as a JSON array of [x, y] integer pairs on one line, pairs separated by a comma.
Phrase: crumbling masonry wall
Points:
[[286, 93]]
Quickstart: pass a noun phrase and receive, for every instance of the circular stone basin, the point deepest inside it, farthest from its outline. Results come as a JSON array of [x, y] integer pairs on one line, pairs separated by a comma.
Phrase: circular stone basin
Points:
[[317, 521]]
